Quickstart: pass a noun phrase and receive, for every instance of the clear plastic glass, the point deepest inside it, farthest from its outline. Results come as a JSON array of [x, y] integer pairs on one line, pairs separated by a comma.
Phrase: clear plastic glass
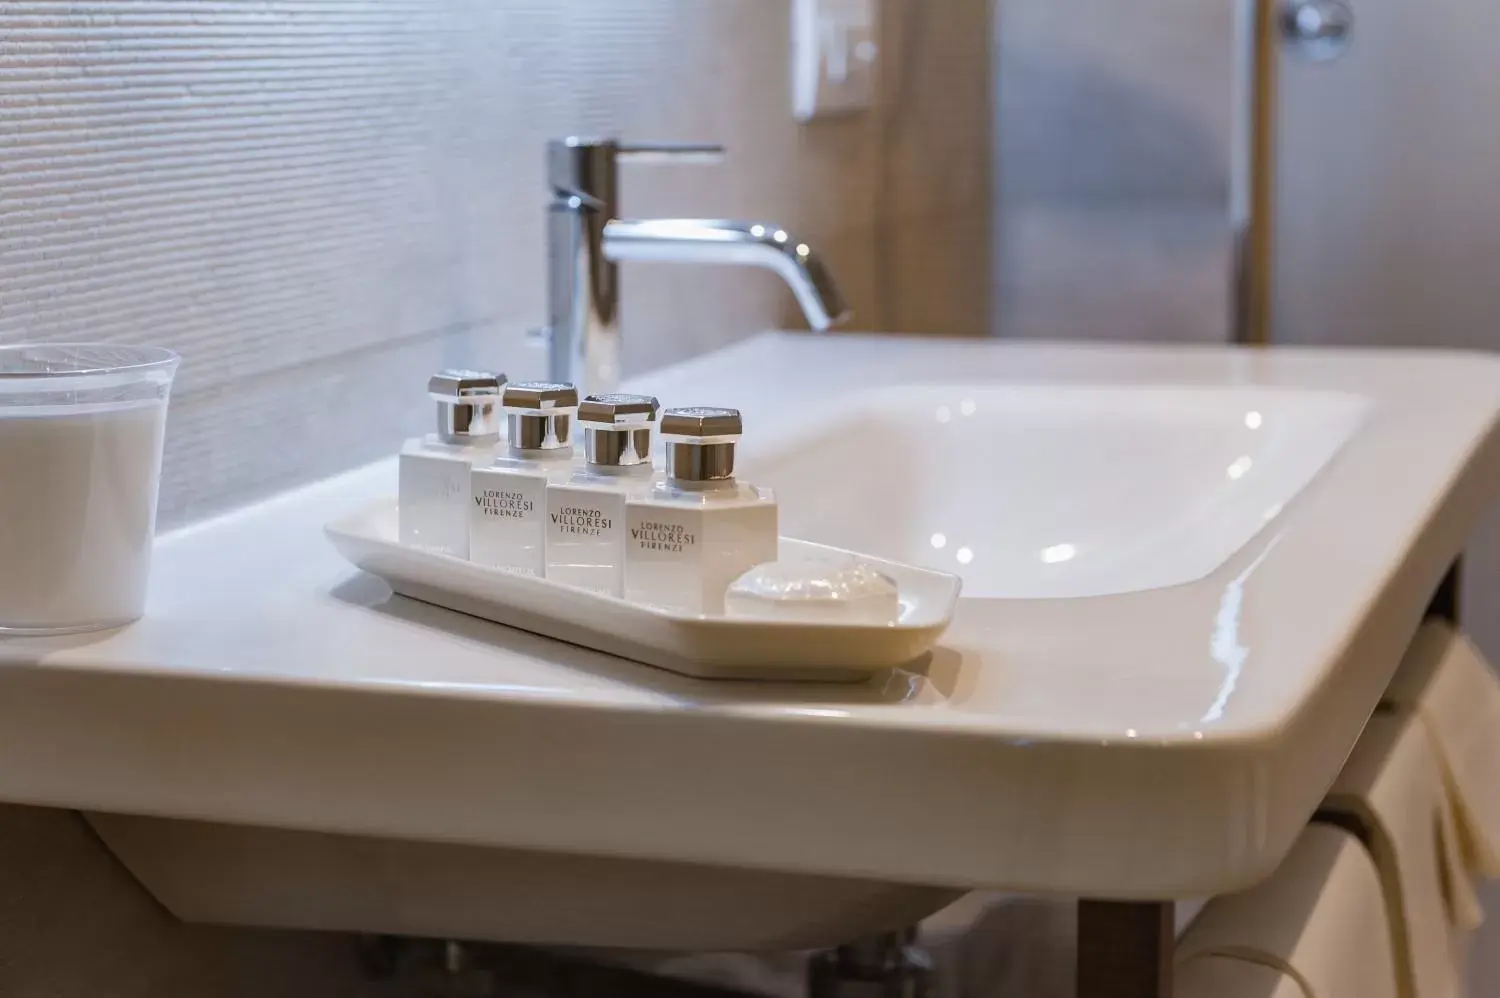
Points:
[[81, 430]]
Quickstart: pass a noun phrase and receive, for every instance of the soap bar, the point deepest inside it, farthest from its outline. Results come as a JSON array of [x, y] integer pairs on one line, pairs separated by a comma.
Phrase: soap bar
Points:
[[844, 590]]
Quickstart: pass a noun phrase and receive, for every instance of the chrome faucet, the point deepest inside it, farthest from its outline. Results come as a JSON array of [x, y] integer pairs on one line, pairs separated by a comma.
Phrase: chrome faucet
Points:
[[587, 240]]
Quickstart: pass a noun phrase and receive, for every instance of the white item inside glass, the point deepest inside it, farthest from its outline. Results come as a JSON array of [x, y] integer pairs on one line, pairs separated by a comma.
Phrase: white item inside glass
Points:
[[78, 491]]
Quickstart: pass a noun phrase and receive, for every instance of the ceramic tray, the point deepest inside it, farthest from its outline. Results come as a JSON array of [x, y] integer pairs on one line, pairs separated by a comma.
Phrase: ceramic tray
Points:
[[710, 647]]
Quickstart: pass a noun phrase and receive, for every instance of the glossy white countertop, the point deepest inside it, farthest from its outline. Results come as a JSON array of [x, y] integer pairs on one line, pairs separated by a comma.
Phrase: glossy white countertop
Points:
[[1163, 743]]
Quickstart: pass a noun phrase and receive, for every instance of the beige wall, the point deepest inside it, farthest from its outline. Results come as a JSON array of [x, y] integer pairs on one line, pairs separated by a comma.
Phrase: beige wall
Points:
[[317, 202]]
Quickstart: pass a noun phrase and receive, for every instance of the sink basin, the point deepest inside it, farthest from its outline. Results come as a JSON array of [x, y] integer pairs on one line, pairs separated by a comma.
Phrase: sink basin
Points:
[[282, 741], [1053, 492]]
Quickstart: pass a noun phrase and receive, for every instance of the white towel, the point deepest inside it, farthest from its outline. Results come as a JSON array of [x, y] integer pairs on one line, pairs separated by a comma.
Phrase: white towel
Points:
[[1319, 920], [1456, 693], [1393, 785]]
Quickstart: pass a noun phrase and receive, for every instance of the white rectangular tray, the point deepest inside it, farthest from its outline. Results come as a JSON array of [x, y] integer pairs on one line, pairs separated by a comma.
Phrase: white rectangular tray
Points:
[[709, 647]]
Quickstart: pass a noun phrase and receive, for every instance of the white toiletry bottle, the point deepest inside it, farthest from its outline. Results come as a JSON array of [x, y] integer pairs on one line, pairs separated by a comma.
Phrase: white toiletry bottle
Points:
[[434, 470], [586, 514], [508, 498], [698, 530]]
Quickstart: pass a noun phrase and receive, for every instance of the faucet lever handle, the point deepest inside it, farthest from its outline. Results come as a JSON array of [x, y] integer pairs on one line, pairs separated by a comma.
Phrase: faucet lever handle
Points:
[[586, 168], [671, 153]]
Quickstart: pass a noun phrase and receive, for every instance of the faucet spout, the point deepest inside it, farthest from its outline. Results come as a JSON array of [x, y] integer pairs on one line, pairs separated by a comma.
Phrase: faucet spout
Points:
[[694, 240]]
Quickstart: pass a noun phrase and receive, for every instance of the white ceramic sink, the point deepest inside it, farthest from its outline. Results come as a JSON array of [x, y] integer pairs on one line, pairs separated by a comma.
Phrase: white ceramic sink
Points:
[[282, 741], [1032, 492]]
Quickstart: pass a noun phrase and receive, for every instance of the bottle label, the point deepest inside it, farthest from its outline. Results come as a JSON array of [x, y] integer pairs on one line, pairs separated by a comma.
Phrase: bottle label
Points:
[[503, 503], [586, 538], [663, 560], [580, 521], [663, 536], [684, 556], [506, 520]]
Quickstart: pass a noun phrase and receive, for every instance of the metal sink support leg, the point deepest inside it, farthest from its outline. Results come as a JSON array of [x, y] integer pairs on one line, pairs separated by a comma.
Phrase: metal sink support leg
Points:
[[1125, 949]]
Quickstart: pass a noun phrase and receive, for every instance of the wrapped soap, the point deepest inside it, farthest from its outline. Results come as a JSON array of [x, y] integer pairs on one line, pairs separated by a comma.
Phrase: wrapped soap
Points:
[[843, 590]]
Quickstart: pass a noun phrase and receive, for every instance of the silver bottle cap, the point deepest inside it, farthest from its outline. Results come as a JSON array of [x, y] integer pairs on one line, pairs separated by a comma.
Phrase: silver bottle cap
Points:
[[468, 405], [539, 415], [700, 443], [617, 429]]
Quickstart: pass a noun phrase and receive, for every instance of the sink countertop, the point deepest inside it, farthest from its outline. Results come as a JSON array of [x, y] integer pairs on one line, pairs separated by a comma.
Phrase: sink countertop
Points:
[[1165, 743]]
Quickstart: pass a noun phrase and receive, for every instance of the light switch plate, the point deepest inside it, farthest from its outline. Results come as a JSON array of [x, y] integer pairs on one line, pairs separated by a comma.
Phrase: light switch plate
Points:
[[835, 56]]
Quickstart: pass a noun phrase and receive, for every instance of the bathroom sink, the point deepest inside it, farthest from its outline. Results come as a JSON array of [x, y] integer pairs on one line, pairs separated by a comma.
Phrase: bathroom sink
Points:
[[1044, 492], [1189, 575]]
